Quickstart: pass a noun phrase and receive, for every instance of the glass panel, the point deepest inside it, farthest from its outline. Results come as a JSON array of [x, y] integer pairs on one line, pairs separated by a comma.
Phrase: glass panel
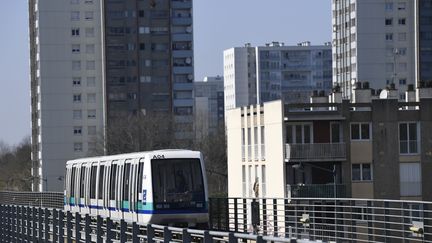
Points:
[[413, 131], [335, 129], [82, 181], [289, 134], [355, 133], [101, 180], [356, 172], [72, 183], [178, 182], [403, 147], [298, 135], [126, 182], [93, 182], [403, 132], [113, 182], [307, 133], [365, 131], [367, 173], [412, 147]]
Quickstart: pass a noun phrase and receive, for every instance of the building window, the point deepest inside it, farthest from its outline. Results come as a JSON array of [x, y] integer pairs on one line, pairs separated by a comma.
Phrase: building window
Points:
[[91, 81], [401, 51], [75, 15], [77, 130], [90, 65], [77, 98], [410, 179], [408, 134], [262, 143], [256, 143], [77, 114], [78, 147], [389, 6], [388, 21], [299, 134], [401, 5], [402, 81], [402, 21], [263, 180], [360, 131], [89, 32], [76, 81], [91, 98], [402, 96], [76, 65], [389, 36], [144, 30], [88, 1], [90, 48], [91, 130], [88, 15], [75, 48], [244, 181], [91, 114], [361, 172], [75, 31]]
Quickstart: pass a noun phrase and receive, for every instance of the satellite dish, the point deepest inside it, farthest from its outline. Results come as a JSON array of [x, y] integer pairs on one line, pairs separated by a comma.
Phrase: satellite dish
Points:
[[190, 76], [188, 29], [188, 60]]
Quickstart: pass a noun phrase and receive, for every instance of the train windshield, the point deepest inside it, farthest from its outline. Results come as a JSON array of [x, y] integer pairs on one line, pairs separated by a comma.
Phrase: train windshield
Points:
[[177, 182]]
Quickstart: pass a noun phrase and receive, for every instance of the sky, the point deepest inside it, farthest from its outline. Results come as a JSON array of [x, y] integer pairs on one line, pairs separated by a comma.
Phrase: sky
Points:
[[218, 25]]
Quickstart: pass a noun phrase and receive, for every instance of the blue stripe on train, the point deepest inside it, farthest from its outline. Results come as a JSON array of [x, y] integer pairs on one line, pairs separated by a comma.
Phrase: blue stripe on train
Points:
[[166, 211]]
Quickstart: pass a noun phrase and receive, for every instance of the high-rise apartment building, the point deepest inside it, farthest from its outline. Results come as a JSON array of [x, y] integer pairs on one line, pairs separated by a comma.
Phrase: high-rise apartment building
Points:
[[95, 61], [209, 106], [381, 42], [66, 85], [149, 59], [259, 74]]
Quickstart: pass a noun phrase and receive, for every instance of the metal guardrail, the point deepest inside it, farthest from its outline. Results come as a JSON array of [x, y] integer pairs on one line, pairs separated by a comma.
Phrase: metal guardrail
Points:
[[39, 199], [35, 224], [325, 219], [315, 152], [317, 190]]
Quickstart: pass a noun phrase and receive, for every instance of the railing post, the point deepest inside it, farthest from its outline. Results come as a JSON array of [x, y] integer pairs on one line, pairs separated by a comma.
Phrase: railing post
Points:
[[167, 235], [207, 237], [99, 229], [109, 227], [77, 227], [123, 226], [231, 238], [35, 222], [150, 234], [87, 229], [40, 224], [60, 226], [47, 225], [135, 232], [69, 227], [186, 238], [235, 215]]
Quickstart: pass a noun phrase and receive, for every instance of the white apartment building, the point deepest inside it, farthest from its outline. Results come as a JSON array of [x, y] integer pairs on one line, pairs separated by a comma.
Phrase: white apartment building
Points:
[[66, 82], [253, 75], [374, 41]]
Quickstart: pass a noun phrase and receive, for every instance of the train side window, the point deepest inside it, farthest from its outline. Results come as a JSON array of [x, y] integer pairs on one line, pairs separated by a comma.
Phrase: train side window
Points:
[[72, 182], [82, 181], [101, 180], [93, 182], [140, 179], [126, 179], [113, 182]]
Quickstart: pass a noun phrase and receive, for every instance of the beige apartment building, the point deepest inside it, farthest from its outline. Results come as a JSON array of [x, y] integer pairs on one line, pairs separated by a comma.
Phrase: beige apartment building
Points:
[[373, 147]]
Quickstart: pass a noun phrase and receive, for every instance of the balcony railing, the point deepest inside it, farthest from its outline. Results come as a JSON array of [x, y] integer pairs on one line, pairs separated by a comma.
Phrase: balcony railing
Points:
[[317, 191], [315, 152]]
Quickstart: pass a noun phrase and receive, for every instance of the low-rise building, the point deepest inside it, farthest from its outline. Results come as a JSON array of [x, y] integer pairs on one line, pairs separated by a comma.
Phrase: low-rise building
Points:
[[373, 147]]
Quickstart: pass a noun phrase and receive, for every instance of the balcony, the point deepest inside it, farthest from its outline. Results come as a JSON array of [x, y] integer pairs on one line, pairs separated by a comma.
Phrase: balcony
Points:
[[315, 152], [181, 4], [182, 21], [317, 191]]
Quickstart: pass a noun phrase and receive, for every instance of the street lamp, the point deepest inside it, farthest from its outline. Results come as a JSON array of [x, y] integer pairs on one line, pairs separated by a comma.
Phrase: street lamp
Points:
[[300, 167]]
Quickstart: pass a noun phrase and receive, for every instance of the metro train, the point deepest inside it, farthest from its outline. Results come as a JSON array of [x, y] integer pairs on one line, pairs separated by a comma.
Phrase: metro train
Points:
[[159, 187]]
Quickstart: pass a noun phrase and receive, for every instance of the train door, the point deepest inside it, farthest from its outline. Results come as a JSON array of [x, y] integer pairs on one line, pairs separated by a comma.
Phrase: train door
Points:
[[107, 189], [100, 189], [92, 205], [67, 189], [115, 212], [74, 189], [84, 192], [141, 194], [127, 200]]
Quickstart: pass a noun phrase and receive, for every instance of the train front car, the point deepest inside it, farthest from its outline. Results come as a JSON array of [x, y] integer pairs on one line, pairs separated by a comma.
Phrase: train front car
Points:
[[179, 189]]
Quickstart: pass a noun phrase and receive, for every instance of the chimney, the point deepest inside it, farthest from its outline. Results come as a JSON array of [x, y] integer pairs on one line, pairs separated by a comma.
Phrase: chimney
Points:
[[336, 95], [424, 91], [410, 94], [362, 93]]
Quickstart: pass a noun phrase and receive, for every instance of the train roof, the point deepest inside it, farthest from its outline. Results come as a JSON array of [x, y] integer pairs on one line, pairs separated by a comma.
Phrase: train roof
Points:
[[129, 155]]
